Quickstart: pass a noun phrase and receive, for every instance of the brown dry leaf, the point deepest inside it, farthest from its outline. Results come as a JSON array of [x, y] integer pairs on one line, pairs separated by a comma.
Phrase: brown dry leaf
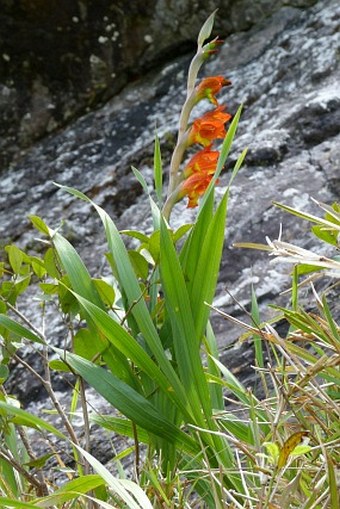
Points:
[[289, 446]]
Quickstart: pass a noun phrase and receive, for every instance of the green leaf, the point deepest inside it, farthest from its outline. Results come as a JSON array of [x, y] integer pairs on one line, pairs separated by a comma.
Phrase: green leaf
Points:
[[202, 287], [15, 257], [122, 487], [190, 252], [72, 490], [83, 484], [333, 485], [84, 286], [272, 450], [78, 275], [154, 245], [38, 266], [58, 365], [237, 428], [4, 373], [21, 284], [8, 503], [333, 326], [85, 346], [212, 351], [326, 234], [126, 344], [129, 402], [19, 330], [183, 328], [39, 462], [67, 301], [136, 234], [120, 426], [29, 419], [50, 263], [9, 475], [301, 449], [39, 224], [141, 179], [232, 383], [49, 288], [308, 217], [304, 268], [237, 166], [154, 208], [181, 231], [130, 287], [140, 264], [105, 291]]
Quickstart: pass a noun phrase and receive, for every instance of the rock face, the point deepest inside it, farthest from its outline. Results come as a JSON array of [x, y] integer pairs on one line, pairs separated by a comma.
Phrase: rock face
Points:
[[284, 70], [59, 59]]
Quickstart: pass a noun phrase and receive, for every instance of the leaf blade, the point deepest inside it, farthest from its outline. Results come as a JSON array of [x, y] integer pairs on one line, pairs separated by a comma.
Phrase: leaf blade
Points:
[[15, 327]]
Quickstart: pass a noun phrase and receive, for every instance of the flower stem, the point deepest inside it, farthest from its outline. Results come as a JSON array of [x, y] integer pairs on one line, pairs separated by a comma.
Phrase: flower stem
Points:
[[181, 144]]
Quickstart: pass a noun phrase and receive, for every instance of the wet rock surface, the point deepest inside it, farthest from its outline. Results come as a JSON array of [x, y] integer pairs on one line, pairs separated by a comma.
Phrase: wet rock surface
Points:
[[285, 72]]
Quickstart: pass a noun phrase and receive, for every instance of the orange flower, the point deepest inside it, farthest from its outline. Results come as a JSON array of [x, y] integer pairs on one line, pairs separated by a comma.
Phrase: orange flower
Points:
[[209, 127], [209, 87], [204, 161], [194, 187]]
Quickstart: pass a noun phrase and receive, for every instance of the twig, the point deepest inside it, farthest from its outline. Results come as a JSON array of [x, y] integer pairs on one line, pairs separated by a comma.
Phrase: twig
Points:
[[137, 452], [86, 422], [33, 457], [48, 387], [41, 488]]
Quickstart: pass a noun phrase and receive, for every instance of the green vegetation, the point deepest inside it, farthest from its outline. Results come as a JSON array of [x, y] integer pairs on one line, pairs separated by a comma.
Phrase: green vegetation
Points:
[[143, 340]]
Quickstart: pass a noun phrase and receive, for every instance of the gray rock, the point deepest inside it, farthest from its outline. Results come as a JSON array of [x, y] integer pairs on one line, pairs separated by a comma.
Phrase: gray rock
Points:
[[61, 59]]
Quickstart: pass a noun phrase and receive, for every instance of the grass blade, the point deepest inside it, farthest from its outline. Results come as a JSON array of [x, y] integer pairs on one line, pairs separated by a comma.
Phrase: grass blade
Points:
[[255, 315], [8, 503], [129, 402], [27, 419], [18, 329], [126, 344], [130, 286], [119, 486], [77, 272], [71, 490], [202, 287], [158, 170], [183, 328]]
